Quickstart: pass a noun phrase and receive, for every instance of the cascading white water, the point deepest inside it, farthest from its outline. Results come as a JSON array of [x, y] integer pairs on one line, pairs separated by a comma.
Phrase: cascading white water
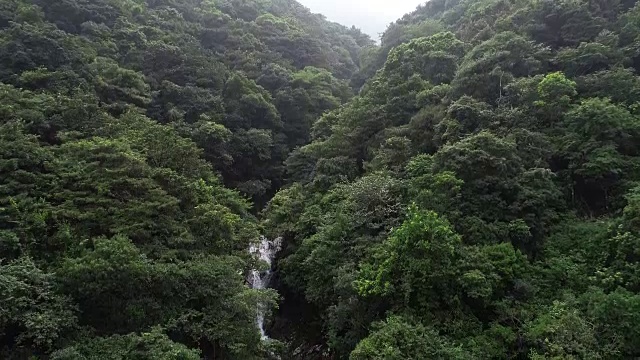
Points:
[[265, 251]]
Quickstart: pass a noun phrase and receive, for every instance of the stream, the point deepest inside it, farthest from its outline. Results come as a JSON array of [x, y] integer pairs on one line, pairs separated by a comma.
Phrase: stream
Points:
[[265, 251]]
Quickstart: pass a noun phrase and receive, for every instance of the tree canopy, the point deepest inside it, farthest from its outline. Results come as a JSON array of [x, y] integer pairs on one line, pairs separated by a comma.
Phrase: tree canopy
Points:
[[138, 141], [467, 189], [475, 199]]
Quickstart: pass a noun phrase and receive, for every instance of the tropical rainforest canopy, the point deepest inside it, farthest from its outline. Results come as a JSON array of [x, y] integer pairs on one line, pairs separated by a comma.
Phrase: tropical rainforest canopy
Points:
[[467, 189]]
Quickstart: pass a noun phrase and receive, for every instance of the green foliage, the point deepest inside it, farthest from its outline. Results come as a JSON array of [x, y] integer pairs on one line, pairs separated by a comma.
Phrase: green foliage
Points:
[[124, 124], [493, 64], [604, 135], [433, 58], [477, 198], [35, 316], [397, 339], [561, 332], [415, 264], [614, 316], [187, 60], [556, 90], [509, 131], [130, 226], [151, 345]]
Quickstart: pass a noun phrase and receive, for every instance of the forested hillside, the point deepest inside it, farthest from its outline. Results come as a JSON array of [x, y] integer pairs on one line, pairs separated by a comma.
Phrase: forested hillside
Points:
[[243, 79], [479, 198], [469, 189], [133, 136]]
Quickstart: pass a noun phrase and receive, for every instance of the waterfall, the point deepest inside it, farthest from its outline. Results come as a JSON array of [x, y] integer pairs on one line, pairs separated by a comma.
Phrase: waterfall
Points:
[[265, 251]]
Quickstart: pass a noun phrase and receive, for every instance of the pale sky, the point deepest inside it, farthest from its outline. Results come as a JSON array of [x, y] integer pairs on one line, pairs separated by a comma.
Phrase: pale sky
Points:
[[371, 16]]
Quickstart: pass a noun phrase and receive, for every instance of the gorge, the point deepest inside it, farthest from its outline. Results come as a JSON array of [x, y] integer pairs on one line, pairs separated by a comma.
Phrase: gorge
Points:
[[244, 179]]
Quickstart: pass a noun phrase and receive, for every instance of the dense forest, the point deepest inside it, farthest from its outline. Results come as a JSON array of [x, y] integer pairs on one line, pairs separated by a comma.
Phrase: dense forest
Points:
[[138, 140], [469, 188]]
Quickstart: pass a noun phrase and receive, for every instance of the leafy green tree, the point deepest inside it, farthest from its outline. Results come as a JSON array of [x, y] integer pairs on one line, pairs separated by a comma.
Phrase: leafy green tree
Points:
[[614, 317], [35, 315], [556, 92], [493, 64], [434, 58], [397, 339], [562, 332], [603, 134], [150, 345], [415, 266]]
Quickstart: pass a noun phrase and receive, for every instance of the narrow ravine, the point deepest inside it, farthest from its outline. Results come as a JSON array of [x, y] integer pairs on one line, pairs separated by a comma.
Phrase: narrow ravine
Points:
[[265, 251]]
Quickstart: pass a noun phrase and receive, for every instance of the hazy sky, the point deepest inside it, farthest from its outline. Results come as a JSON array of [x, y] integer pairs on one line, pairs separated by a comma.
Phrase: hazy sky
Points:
[[372, 16]]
